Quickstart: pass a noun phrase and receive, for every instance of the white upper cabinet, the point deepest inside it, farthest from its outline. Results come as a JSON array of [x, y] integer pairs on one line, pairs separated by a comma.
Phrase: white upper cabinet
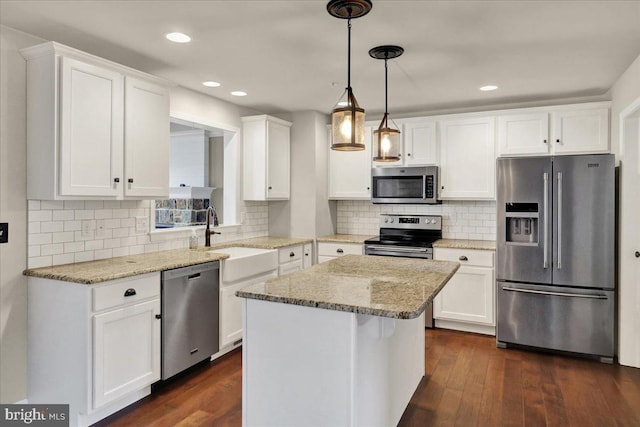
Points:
[[580, 131], [467, 158], [571, 129], [350, 171], [523, 134], [419, 143], [146, 139], [266, 147], [91, 137], [92, 127]]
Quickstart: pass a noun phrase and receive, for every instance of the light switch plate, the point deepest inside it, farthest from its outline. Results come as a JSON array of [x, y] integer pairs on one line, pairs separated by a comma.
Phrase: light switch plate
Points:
[[4, 232]]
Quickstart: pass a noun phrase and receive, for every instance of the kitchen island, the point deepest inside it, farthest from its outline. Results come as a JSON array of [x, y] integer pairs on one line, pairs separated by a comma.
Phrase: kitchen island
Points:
[[340, 344]]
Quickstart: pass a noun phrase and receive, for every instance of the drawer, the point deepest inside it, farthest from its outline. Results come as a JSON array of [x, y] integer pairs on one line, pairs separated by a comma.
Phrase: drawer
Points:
[[339, 249], [290, 253], [289, 267], [472, 257], [112, 294]]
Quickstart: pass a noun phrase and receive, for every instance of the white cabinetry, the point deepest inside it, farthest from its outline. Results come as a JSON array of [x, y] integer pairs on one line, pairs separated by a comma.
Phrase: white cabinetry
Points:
[[420, 144], [571, 129], [266, 151], [294, 258], [96, 347], [330, 250], [93, 131], [467, 158], [350, 171], [467, 302]]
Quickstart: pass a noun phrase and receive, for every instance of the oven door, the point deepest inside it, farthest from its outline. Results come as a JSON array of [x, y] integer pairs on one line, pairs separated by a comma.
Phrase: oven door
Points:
[[399, 251]]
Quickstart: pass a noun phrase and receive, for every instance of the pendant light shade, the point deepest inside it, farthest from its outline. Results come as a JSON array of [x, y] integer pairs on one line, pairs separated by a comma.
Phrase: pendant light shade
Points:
[[347, 118], [387, 137]]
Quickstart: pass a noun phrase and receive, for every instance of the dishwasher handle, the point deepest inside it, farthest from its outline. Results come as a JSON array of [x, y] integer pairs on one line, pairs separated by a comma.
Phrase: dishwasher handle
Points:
[[193, 276]]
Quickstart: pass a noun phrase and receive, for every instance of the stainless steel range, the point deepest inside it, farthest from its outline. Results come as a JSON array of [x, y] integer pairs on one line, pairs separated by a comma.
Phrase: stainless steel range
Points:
[[409, 236]]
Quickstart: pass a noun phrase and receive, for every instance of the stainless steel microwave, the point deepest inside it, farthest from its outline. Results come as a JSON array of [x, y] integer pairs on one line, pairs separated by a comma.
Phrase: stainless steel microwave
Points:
[[406, 185]]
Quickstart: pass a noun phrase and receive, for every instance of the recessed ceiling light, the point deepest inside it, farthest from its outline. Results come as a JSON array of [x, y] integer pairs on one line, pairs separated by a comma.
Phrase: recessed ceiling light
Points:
[[238, 93], [488, 88], [178, 37], [211, 84]]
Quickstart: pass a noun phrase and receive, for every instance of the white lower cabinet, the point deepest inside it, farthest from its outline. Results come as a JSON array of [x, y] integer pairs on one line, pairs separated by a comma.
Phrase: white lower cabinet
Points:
[[294, 258], [467, 302], [125, 353], [331, 250], [95, 347]]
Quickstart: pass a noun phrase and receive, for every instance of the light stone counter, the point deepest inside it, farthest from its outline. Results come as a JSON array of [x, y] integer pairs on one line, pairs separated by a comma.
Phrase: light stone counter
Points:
[[393, 287], [345, 238], [91, 272], [267, 242], [483, 245]]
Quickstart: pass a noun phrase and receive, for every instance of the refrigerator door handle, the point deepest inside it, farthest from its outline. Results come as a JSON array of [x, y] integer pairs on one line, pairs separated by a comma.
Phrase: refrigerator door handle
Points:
[[555, 294], [545, 237], [559, 237]]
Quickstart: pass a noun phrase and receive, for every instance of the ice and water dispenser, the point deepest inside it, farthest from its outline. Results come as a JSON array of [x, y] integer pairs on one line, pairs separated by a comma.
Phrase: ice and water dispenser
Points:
[[522, 223]]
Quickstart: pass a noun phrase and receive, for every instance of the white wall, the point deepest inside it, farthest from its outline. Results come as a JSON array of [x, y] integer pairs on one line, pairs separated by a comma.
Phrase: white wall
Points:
[[13, 209], [625, 92]]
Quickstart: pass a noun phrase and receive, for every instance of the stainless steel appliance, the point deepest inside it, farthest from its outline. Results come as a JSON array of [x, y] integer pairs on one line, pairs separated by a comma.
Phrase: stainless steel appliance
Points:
[[555, 253], [409, 236], [190, 324], [405, 185]]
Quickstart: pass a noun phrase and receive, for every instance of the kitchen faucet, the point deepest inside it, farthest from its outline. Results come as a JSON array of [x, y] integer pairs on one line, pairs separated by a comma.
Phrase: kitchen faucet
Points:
[[211, 210]]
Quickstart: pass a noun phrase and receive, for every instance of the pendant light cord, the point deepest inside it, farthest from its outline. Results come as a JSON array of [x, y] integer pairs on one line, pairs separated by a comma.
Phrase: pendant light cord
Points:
[[349, 50], [386, 93]]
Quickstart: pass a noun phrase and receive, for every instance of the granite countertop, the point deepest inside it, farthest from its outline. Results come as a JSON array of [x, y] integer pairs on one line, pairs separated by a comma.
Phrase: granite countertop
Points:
[[484, 245], [91, 272], [345, 238], [268, 242], [393, 287]]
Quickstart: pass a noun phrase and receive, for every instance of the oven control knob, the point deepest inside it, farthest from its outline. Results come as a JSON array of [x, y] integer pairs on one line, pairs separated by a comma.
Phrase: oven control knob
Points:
[[392, 220], [386, 220]]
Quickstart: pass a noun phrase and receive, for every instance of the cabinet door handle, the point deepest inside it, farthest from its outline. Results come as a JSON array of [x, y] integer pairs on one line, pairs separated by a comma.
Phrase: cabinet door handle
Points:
[[306, 254], [129, 292], [545, 141], [557, 141], [270, 187], [408, 154], [463, 258], [340, 251], [130, 180], [637, 254], [116, 180], [158, 316], [292, 254]]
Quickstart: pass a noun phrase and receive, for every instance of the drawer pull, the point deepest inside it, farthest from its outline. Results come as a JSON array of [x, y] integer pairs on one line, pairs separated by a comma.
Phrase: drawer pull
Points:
[[193, 276], [463, 258], [292, 254], [129, 292], [340, 251], [195, 350]]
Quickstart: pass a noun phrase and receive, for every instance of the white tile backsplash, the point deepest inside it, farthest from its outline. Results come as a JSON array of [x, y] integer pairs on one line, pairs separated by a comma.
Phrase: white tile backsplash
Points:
[[460, 219], [55, 230]]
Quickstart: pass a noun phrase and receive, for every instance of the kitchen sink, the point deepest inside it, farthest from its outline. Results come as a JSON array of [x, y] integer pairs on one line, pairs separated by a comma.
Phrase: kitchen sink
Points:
[[244, 263]]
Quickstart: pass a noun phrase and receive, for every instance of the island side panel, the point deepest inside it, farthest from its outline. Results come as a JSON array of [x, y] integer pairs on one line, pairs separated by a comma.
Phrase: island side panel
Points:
[[298, 365], [390, 365]]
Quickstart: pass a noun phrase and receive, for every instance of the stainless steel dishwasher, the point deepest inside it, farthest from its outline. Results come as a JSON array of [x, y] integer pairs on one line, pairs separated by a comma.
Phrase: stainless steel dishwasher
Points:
[[190, 321]]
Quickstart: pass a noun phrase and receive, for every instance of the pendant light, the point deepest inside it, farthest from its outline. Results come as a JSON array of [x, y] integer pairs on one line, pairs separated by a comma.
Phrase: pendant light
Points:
[[347, 118], [386, 137]]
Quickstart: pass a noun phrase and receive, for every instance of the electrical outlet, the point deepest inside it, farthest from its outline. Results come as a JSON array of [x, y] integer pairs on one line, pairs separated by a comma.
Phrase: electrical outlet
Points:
[[142, 224], [100, 229], [87, 227], [4, 232]]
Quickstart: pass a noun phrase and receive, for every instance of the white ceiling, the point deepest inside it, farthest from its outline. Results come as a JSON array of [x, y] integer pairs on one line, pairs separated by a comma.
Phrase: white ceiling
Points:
[[286, 54]]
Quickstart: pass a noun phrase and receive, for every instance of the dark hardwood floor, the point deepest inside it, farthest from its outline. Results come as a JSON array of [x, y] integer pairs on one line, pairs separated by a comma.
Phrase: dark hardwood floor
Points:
[[468, 382]]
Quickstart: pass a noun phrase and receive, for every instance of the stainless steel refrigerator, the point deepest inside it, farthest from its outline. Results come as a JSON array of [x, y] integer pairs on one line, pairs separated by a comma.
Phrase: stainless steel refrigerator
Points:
[[556, 253]]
